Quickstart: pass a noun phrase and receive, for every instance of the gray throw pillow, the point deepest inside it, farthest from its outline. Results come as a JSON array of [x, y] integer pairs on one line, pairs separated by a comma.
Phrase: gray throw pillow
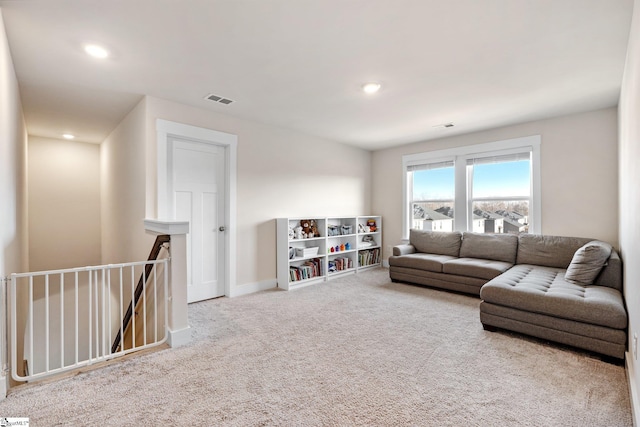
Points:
[[587, 262]]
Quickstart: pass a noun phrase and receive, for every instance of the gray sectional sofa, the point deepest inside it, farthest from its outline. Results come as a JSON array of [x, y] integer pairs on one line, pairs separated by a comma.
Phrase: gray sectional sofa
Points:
[[563, 289]]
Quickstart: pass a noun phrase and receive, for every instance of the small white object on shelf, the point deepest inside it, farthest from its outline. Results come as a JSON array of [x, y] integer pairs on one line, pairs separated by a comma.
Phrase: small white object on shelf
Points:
[[306, 252]]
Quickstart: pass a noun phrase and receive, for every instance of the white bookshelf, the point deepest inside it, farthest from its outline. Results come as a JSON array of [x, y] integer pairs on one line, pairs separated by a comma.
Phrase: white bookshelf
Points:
[[341, 246], [369, 242], [345, 245]]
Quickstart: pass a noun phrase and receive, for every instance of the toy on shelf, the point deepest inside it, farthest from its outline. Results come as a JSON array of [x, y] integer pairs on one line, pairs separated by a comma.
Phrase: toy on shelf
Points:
[[371, 223], [309, 228]]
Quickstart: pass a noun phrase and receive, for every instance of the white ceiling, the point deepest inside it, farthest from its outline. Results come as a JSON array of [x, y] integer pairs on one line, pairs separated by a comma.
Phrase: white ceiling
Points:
[[300, 64]]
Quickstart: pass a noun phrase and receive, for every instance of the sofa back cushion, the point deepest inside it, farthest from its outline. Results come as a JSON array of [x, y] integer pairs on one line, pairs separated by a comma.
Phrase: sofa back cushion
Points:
[[548, 251], [497, 247], [611, 274], [435, 242]]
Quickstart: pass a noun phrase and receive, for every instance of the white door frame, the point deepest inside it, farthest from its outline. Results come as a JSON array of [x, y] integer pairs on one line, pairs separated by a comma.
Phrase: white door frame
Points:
[[167, 130]]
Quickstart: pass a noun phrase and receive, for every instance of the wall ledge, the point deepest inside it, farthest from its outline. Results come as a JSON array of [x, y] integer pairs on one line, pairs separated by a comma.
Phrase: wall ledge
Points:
[[166, 227]]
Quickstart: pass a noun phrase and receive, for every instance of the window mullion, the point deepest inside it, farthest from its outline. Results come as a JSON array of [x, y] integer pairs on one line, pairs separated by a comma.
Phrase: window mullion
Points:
[[460, 205]]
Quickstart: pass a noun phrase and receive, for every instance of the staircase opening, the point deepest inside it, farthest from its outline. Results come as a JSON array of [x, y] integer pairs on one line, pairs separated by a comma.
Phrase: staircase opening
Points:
[[80, 316]]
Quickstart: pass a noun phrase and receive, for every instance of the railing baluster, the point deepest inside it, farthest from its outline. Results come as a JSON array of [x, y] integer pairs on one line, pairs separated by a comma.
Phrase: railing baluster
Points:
[[31, 342], [103, 285], [165, 324], [97, 314], [90, 304], [155, 305], [107, 346], [3, 325], [120, 304], [62, 320], [133, 307], [144, 306], [46, 322], [77, 308]]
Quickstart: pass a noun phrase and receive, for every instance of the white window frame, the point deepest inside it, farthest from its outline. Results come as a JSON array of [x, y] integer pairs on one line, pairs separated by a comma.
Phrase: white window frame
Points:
[[462, 191]]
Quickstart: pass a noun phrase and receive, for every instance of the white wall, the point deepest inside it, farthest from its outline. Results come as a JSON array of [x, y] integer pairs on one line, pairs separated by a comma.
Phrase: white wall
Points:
[[280, 173], [64, 232], [13, 175], [579, 168], [122, 171], [630, 196], [64, 204]]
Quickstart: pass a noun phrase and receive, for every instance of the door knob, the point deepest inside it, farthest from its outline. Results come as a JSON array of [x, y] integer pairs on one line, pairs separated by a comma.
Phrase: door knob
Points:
[[222, 228]]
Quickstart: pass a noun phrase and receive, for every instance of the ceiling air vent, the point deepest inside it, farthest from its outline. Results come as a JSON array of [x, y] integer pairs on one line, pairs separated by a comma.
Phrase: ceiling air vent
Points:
[[216, 98], [444, 125]]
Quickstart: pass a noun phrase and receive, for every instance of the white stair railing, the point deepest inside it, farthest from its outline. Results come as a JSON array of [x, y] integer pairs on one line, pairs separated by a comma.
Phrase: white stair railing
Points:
[[73, 315]]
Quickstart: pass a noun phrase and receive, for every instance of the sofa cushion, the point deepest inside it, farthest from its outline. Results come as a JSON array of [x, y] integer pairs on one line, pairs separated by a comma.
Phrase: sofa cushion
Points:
[[587, 262], [611, 274], [548, 251], [499, 247], [420, 261], [474, 267], [544, 290], [435, 242]]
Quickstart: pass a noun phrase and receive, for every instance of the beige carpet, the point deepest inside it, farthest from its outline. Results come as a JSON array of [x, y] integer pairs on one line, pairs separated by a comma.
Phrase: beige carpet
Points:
[[355, 351]]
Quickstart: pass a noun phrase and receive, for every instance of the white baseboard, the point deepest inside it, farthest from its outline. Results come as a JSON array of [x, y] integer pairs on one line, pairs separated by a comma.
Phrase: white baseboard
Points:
[[180, 337], [250, 288], [633, 390]]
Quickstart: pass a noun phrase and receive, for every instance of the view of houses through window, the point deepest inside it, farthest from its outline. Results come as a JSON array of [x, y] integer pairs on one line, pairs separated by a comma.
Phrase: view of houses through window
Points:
[[497, 199], [488, 217]]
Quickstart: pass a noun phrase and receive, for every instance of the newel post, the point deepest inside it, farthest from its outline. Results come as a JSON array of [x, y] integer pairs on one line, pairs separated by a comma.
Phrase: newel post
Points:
[[179, 330]]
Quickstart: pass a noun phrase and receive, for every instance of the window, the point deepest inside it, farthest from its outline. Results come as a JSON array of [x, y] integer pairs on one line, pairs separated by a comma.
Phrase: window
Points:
[[500, 192], [486, 188], [433, 191]]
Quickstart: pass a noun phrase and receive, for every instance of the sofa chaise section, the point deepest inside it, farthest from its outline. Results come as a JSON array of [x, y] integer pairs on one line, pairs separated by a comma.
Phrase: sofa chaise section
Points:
[[538, 300]]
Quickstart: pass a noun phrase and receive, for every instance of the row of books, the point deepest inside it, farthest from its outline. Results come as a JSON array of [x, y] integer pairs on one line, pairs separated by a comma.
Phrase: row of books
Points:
[[308, 270], [339, 264], [369, 257]]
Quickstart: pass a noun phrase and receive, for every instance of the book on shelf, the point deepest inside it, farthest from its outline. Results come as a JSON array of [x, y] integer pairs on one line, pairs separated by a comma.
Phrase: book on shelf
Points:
[[369, 257], [307, 270], [340, 264]]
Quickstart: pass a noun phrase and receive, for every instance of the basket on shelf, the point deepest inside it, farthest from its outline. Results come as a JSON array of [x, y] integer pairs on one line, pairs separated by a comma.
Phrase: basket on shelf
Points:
[[306, 252]]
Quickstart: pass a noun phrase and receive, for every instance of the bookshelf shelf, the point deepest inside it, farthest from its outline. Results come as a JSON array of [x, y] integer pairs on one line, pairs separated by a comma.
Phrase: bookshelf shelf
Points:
[[345, 245]]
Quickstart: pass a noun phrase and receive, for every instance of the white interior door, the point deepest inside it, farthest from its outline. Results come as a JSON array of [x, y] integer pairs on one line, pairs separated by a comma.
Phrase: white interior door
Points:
[[197, 193]]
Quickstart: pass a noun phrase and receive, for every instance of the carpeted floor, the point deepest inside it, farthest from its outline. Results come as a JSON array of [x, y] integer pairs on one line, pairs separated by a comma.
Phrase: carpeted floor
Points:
[[359, 350]]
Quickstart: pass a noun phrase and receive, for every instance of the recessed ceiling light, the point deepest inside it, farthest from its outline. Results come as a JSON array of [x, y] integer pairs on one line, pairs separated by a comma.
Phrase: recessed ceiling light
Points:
[[68, 136], [371, 88], [96, 51]]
